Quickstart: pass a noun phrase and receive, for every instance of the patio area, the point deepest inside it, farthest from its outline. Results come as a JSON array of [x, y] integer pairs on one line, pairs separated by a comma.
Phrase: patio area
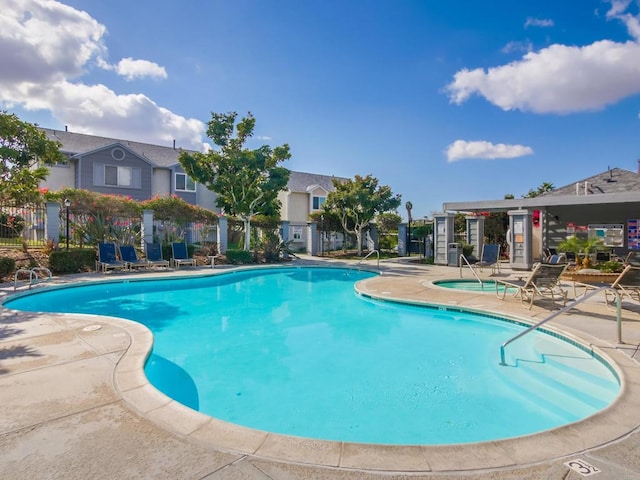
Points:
[[75, 404]]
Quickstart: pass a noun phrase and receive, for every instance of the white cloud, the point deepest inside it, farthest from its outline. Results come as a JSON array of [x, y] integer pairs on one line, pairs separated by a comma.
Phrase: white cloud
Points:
[[517, 47], [45, 49], [461, 149], [559, 78], [538, 22], [132, 69], [45, 41]]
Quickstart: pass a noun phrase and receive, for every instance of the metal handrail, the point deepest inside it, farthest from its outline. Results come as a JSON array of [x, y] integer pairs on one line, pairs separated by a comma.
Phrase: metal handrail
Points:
[[564, 309], [368, 255], [462, 257]]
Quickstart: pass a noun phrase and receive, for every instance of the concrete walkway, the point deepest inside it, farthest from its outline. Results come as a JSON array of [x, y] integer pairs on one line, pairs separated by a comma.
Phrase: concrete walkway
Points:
[[75, 404]]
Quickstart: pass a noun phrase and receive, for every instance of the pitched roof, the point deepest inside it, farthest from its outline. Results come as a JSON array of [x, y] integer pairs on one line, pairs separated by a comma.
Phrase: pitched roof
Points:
[[299, 181], [80, 143], [614, 180]]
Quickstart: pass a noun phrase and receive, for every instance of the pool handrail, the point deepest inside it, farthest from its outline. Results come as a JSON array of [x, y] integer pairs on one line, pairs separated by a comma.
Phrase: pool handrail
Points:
[[561, 311], [33, 275], [462, 257], [377, 252]]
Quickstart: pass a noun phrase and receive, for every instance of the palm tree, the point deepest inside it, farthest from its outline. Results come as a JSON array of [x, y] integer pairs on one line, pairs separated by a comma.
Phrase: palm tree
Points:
[[584, 246]]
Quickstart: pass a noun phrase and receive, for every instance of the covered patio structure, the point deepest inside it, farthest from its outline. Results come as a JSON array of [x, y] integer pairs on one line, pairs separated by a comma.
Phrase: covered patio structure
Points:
[[606, 205]]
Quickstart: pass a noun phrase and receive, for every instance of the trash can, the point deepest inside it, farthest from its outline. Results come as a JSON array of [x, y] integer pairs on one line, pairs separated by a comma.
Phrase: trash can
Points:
[[453, 254]]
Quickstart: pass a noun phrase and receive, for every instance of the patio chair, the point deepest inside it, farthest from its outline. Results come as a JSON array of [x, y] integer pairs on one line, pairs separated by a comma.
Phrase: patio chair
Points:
[[154, 255], [633, 258], [556, 258], [107, 258], [626, 285], [130, 257], [543, 282], [180, 255], [490, 257]]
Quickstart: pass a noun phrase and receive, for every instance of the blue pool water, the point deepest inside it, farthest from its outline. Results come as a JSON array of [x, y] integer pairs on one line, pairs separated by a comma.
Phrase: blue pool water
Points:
[[488, 286], [296, 351]]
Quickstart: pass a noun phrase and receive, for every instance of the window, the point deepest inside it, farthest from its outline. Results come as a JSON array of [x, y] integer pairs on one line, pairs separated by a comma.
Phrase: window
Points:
[[118, 176], [115, 176], [184, 183], [317, 202]]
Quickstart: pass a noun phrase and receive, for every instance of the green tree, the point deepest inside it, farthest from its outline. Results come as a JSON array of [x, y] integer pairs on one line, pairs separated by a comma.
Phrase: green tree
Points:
[[24, 153], [247, 182], [358, 201], [387, 224], [543, 188]]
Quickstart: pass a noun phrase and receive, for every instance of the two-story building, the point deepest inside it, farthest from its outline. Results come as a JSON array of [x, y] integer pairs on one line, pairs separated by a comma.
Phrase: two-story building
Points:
[[142, 171], [123, 167]]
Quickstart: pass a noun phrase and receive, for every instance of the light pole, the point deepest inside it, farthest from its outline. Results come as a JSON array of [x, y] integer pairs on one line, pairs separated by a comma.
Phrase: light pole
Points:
[[67, 204]]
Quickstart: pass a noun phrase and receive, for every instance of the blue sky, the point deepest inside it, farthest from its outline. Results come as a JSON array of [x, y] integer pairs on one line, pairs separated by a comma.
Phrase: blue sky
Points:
[[442, 101]]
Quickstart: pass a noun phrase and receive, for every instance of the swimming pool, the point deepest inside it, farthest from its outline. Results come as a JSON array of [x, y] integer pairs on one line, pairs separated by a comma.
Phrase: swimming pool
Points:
[[296, 351]]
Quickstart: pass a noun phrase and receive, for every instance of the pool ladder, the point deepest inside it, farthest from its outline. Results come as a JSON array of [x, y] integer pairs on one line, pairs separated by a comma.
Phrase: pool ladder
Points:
[[377, 252], [33, 275], [564, 309]]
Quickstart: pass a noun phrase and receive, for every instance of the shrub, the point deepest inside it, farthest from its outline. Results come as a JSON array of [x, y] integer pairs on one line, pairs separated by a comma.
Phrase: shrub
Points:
[[610, 266], [7, 266], [72, 261], [11, 226], [239, 257]]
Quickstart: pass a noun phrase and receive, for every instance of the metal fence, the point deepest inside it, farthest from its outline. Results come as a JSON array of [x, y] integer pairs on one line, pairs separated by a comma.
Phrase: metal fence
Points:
[[82, 229], [200, 233], [23, 225]]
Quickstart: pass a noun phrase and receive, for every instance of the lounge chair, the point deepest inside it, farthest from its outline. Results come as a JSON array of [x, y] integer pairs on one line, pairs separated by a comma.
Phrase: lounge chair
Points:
[[107, 259], [543, 281], [633, 258], [556, 259], [130, 257], [627, 284], [180, 255], [490, 257], [154, 255]]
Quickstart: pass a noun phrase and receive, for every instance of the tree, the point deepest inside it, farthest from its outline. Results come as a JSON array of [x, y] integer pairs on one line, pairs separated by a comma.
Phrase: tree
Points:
[[358, 201], [387, 224], [24, 153], [543, 188], [409, 207], [247, 182]]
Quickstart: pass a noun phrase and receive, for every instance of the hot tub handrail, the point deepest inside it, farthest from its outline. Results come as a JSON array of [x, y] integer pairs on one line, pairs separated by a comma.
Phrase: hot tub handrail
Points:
[[462, 257], [561, 311]]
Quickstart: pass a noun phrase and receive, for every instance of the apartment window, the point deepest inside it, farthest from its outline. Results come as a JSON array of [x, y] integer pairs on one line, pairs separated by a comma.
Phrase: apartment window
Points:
[[118, 176], [184, 183], [317, 202]]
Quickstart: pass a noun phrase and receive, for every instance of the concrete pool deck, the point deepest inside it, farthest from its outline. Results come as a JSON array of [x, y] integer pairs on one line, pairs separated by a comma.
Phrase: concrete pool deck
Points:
[[74, 403]]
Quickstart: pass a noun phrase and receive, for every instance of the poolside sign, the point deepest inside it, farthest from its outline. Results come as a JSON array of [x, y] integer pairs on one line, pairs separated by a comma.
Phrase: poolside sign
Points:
[[583, 468]]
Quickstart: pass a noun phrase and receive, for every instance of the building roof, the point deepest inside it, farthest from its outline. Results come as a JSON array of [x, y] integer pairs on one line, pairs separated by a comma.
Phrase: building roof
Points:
[[613, 186], [80, 143], [614, 180], [300, 181], [166, 157]]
